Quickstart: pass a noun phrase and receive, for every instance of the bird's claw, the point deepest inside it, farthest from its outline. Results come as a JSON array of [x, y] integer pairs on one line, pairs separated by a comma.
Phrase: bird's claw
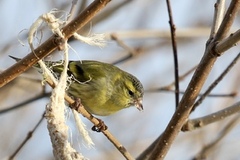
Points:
[[97, 128], [77, 104], [100, 126]]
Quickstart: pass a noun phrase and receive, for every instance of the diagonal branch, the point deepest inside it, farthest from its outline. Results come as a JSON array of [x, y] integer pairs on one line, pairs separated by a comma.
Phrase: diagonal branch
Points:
[[95, 121], [211, 118], [52, 43], [43, 95], [29, 135], [211, 146], [215, 83], [185, 106]]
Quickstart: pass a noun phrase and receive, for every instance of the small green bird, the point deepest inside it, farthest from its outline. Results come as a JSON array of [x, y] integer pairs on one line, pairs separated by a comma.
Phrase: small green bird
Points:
[[103, 88]]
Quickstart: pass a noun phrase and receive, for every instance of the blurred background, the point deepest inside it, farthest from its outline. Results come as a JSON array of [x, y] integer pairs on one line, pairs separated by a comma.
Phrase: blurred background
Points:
[[143, 26]]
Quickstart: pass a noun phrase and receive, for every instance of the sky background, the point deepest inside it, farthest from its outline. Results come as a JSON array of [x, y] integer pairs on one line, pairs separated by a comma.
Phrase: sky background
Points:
[[153, 66]]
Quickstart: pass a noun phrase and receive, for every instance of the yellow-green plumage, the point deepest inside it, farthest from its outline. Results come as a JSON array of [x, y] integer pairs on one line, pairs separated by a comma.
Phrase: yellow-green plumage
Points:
[[103, 88]]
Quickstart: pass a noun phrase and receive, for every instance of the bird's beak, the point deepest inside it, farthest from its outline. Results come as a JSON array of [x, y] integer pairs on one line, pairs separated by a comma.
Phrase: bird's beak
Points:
[[138, 104]]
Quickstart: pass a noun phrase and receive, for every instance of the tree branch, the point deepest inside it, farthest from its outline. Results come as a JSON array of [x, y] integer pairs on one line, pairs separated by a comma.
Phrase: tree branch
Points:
[[185, 106], [50, 45]]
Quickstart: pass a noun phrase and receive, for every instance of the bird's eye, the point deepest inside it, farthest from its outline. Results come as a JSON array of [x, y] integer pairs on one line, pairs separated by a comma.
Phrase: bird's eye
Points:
[[130, 92]]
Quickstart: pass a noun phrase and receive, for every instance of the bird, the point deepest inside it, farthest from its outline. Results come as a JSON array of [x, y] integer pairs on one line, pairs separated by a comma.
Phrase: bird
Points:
[[103, 88]]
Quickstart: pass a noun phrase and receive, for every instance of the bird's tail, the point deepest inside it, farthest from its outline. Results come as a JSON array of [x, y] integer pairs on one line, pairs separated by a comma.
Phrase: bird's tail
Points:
[[56, 66], [15, 58]]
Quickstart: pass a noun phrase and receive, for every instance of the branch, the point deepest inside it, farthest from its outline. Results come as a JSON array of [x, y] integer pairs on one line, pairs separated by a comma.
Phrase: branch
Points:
[[43, 95], [209, 148], [227, 95], [218, 17], [220, 115], [228, 20], [215, 83], [228, 42], [51, 44], [175, 57], [29, 135], [131, 51], [185, 106]]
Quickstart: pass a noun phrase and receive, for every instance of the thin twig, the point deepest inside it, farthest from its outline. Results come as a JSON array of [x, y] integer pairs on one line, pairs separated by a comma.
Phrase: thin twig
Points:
[[131, 51], [182, 77], [232, 95], [43, 95], [210, 147], [29, 135], [72, 10], [214, 117], [175, 56], [215, 83], [123, 45], [169, 86], [157, 33], [123, 59]]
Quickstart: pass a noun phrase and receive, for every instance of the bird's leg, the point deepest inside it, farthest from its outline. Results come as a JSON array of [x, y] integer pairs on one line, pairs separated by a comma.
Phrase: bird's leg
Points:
[[100, 126], [77, 103]]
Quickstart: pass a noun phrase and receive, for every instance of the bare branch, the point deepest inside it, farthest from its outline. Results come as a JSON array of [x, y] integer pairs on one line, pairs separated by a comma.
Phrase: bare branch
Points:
[[29, 135], [211, 146], [228, 20], [220, 115], [50, 45], [185, 106], [215, 83], [218, 17], [228, 42], [175, 57], [25, 102]]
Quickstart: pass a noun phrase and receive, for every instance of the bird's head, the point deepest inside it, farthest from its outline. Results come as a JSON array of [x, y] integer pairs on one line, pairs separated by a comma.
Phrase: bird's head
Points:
[[133, 90]]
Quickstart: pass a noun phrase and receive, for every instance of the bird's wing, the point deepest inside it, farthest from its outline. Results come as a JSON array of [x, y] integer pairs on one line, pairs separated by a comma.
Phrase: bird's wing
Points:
[[86, 70]]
